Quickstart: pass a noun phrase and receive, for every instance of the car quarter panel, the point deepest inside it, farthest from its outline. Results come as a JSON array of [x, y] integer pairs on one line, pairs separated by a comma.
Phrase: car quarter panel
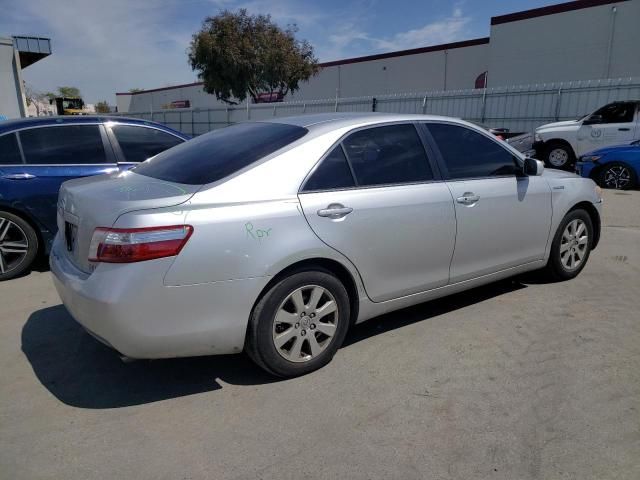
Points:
[[142, 318]]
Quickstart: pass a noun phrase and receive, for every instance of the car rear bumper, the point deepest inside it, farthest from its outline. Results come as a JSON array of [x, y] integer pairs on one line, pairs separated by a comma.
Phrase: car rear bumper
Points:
[[127, 307]]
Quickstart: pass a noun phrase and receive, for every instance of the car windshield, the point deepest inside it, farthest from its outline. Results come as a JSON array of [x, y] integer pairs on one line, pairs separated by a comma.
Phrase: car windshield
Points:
[[218, 154], [636, 143]]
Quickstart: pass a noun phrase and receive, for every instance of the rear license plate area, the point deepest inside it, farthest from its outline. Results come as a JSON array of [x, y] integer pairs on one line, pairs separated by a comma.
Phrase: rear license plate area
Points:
[[70, 236]]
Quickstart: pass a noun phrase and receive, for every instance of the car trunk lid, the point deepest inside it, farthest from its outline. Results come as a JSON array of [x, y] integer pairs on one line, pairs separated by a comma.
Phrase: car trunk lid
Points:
[[87, 203]]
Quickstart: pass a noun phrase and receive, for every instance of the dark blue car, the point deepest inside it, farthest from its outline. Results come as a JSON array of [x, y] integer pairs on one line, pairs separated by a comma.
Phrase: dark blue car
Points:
[[38, 154], [612, 167]]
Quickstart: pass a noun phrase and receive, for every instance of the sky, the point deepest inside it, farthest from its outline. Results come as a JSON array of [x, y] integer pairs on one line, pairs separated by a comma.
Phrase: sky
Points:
[[108, 46]]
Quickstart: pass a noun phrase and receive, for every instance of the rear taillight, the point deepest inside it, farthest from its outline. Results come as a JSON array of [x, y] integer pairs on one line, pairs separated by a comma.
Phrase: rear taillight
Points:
[[125, 245]]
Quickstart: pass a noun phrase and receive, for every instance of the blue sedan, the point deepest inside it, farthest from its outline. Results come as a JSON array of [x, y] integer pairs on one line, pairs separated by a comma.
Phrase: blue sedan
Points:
[[612, 167], [38, 154]]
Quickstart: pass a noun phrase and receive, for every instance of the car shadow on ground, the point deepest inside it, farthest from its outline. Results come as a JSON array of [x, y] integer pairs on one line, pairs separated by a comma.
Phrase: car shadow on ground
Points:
[[81, 372]]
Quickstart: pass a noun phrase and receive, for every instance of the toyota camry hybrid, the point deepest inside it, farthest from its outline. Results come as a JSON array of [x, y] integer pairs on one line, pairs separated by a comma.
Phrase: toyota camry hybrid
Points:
[[275, 237]]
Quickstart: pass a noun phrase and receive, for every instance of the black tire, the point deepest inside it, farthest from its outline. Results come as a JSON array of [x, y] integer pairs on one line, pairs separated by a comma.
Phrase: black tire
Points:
[[551, 152], [556, 269], [260, 343], [617, 175], [14, 230]]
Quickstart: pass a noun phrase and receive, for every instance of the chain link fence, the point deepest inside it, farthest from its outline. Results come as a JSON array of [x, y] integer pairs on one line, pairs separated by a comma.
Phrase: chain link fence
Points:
[[519, 108]]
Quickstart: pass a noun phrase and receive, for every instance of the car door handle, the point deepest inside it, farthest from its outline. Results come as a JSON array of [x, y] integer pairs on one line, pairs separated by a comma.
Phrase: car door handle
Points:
[[18, 176], [335, 210], [468, 198], [624, 129]]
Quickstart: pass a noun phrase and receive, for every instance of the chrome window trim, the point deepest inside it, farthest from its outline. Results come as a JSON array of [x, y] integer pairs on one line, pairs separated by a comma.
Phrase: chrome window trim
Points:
[[115, 143], [110, 123]]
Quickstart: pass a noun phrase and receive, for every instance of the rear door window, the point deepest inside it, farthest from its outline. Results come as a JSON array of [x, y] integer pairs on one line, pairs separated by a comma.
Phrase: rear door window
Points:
[[9, 150], [387, 155], [218, 154], [140, 143], [63, 145], [332, 173]]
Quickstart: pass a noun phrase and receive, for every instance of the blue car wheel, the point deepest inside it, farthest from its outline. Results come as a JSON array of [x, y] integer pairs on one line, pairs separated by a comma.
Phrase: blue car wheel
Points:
[[617, 175], [18, 245]]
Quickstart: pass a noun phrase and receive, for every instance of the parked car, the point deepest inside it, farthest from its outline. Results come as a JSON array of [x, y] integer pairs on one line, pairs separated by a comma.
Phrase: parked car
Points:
[[523, 143], [500, 132], [38, 154], [612, 167], [275, 237], [559, 144]]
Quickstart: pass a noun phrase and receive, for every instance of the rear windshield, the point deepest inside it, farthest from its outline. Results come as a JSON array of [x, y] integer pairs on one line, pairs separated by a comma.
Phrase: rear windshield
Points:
[[220, 153]]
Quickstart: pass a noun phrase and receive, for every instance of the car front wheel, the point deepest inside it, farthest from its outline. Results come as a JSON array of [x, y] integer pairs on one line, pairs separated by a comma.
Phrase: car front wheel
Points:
[[571, 246], [18, 245], [299, 324]]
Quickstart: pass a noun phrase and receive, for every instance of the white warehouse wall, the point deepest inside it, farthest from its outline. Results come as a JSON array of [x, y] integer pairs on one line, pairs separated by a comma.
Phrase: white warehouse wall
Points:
[[443, 69], [566, 46]]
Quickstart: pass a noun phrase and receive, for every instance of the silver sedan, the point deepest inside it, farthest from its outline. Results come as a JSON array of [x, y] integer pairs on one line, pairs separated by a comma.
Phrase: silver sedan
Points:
[[275, 237]]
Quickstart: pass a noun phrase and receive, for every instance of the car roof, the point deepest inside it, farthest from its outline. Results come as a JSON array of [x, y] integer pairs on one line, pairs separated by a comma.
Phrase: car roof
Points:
[[320, 122], [20, 123]]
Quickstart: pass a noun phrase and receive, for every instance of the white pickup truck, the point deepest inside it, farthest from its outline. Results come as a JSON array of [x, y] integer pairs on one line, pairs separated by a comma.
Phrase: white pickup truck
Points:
[[559, 144]]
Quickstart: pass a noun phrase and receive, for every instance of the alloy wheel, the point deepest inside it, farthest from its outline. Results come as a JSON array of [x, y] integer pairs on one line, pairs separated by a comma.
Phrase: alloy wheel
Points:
[[617, 176], [558, 157], [573, 247], [14, 245], [305, 323]]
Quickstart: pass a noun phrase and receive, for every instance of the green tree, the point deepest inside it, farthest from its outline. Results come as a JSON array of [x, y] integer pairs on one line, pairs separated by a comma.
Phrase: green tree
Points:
[[102, 107], [68, 92], [135, 90], [236, 54]]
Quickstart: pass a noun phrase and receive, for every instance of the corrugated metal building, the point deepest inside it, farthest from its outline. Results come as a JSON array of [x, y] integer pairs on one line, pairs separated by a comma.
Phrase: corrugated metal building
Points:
[[579, 40]]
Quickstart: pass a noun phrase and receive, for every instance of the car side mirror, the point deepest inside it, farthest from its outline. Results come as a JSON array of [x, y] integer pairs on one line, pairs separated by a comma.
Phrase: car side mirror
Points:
[[532, 167], [592, 120]]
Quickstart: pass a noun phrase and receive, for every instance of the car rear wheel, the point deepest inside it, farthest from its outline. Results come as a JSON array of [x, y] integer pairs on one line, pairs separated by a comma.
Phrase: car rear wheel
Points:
[[299, 324], [571, 246], [18, 245], [558, 155], [617, 175]]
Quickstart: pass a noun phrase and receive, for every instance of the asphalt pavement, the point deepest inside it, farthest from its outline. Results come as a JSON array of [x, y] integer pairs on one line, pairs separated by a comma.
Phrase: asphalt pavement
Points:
[[517, 380]]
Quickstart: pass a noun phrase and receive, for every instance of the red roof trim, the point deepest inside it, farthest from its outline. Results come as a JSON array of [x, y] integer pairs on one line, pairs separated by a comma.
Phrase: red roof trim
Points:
[[413, 51], [551, 10]]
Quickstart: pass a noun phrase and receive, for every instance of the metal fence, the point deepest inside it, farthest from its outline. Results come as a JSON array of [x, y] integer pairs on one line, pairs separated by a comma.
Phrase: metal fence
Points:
[[520, 108]]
